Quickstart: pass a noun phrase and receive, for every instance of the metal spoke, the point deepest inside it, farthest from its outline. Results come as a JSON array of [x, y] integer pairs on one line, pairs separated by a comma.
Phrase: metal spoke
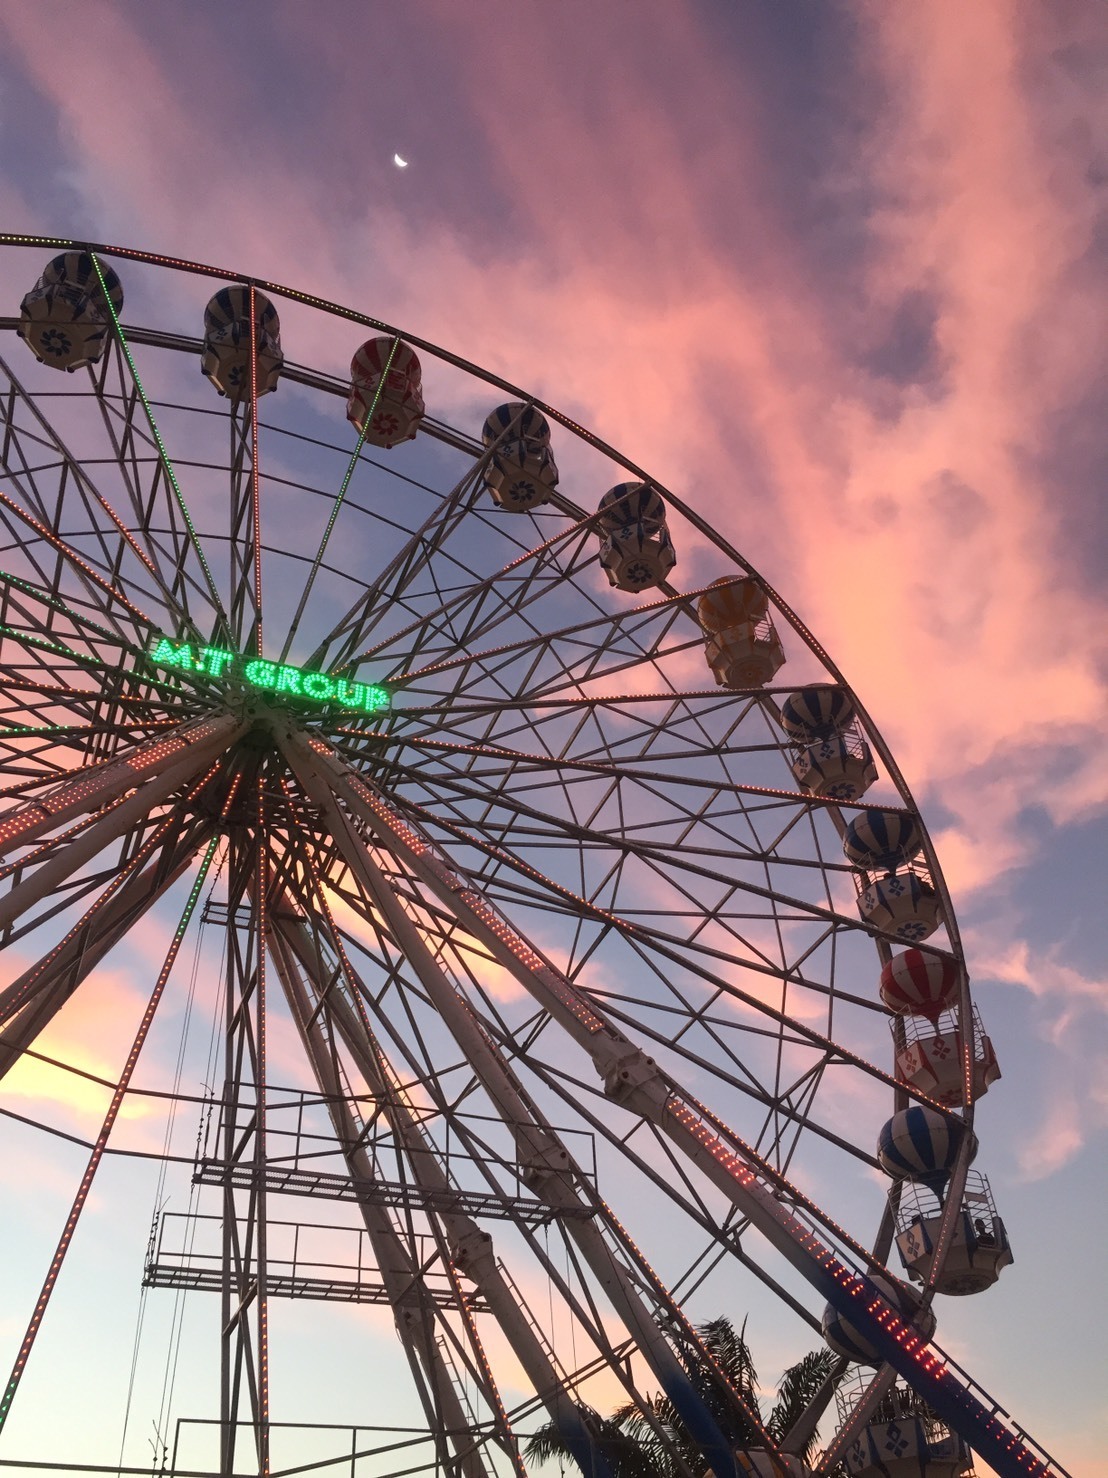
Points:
[[162, 453], [102, 1140]]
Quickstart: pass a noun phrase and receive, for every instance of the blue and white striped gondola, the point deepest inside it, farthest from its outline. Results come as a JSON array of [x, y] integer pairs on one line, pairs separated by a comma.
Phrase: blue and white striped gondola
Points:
[[65, 319], [902, 1439], [226, 356], [884, 840], [816, 713], [521, 473], [845, 1339], [232, 305], [78, 270], [921, 1144], [834, 761], [636, 551], [516, 421], [631, 502]]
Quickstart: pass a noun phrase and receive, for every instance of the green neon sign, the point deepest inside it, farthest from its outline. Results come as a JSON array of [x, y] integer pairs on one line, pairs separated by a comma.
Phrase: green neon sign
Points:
[[270, 677]]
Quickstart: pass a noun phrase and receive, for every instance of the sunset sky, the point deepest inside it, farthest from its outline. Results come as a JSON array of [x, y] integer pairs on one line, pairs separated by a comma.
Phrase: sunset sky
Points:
[[833, 272]]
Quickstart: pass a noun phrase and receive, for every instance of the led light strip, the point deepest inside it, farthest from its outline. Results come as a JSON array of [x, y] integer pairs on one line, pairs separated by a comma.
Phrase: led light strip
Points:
[[280, 678], [102, 1139], [71, 557], [162, 453], [31, 982], [339, 500], [79, 618], [261, 1247], [255, 497], [90, 788]]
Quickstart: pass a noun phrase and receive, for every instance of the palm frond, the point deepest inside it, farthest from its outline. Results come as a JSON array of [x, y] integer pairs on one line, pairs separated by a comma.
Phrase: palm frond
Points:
[[656, 1429], [728, 1347], [629, 1458], [795, 1392], [547, 1441]]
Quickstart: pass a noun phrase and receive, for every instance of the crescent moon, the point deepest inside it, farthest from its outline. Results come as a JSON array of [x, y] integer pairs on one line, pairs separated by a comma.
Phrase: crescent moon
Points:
[[400, 163]]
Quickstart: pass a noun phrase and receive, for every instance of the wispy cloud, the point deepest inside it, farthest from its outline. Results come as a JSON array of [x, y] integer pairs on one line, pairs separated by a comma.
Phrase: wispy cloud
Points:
[[1068, 1107]]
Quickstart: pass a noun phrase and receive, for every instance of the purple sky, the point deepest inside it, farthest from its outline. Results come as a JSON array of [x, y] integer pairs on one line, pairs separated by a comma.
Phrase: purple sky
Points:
[[833, 271]]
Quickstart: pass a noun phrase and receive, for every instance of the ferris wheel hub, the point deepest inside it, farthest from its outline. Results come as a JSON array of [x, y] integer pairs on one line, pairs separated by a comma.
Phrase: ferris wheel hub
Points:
[[260, 737]]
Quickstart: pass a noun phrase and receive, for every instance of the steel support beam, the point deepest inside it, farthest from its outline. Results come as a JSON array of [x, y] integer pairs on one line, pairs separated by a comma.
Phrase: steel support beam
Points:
[[636, 1081], [157, 766], [471, 1247]]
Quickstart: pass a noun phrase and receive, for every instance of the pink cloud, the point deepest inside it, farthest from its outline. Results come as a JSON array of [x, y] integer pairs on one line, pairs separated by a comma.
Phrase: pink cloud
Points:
[[920, 546], [1016, 962], [91, 1033], [1070, 1108], [1056, 1141], [986, 654]]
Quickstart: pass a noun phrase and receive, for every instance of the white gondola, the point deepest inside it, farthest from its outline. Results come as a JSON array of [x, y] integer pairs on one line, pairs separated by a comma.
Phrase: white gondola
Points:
[[840, 768], [903, 904], [741, 646], [978, 1249], [521, 473], [237, 363], [65, 319], [903, 1438], [636, 551], [385, 404], [929, 1057]]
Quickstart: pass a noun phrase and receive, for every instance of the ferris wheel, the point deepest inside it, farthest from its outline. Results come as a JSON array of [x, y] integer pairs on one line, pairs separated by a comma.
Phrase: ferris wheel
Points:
[[532, 937]]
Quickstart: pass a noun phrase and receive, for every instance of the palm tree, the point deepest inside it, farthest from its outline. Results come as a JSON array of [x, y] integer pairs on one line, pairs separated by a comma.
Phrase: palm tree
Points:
[[650, 1441]]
